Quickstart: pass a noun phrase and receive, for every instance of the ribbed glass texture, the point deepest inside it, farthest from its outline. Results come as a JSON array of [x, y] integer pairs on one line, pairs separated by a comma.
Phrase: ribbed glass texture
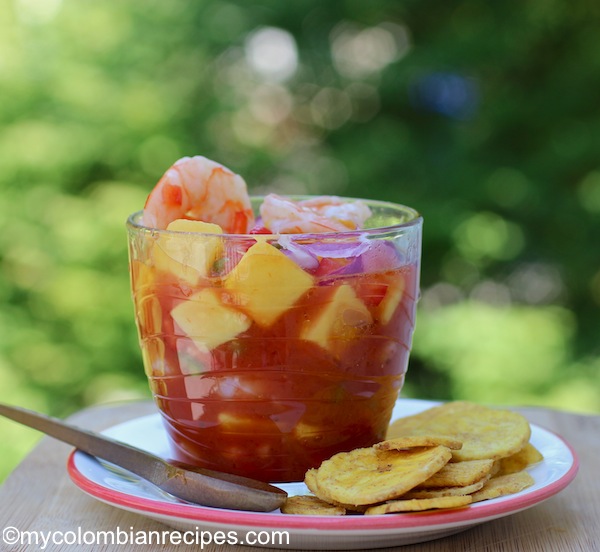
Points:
[[267, 354]]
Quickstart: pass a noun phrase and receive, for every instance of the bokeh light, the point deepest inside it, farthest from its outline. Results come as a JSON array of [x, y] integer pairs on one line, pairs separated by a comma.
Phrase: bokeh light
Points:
[[272, 53], [361, 52]]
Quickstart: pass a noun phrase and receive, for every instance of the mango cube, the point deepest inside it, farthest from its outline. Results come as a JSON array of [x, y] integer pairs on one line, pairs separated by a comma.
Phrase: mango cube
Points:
[[391, 299], [317, 435], [207, 322], [153, 357], [189, 257], [265, 283], [142, 276], [339, 321], [149, 315], [238, 423]]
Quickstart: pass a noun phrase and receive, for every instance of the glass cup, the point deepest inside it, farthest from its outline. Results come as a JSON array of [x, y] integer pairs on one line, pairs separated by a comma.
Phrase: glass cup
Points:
[[267, 354]]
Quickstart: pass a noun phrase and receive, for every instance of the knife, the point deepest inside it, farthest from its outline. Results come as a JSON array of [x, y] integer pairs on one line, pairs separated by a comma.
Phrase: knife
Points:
[[200, 486]]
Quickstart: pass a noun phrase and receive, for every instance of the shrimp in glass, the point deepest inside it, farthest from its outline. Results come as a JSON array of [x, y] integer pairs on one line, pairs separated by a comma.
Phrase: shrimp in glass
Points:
[[320, 214], [200, 189]]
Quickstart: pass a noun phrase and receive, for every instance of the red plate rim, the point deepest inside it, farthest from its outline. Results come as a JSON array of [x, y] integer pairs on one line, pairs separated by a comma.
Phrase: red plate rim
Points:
[[478, 512]]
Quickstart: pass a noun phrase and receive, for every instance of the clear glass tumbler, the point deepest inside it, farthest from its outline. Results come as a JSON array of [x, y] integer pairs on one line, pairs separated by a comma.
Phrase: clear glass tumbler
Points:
[[268, 353]]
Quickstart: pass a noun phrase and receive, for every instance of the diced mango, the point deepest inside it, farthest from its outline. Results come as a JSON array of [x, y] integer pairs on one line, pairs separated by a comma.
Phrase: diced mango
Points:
[[197, 410], [308, 434], [339, 321], [153, 357], [189, 257], [198, 226], [142, 276], [207, 322], [316, 435], [233, 423], [265, 283], [391, 299], [149, 315]]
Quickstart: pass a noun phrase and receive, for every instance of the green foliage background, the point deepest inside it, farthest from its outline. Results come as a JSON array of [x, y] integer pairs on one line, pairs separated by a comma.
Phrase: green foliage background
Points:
[[482, 115]]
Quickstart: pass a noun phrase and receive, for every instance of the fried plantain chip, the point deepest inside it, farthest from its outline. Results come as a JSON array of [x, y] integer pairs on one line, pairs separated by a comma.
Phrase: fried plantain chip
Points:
[[446, 491], [412, 441], [458, 474], [518, 461], [367, 476], [503, 485], [308, 505], [310, 480], [484, 432], [418, 505]]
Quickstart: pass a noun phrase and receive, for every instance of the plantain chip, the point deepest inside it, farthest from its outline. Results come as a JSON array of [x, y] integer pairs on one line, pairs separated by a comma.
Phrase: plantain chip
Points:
[[413, 441], [307, 505], [518, 461], [503, 485], [484, 432], [367, 476], [310, 480], [446, 491], [419, 504], [459, 474]]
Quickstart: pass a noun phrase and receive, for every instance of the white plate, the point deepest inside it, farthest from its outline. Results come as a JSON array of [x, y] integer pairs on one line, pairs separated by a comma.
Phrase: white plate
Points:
[[124, 490]]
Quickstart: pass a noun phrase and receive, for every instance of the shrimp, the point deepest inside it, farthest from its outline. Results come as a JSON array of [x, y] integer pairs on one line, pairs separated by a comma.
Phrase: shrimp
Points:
[[200, 189], [320, 214]]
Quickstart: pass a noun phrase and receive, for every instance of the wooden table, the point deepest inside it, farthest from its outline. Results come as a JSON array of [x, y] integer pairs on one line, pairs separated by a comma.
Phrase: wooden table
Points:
[[39, 496]]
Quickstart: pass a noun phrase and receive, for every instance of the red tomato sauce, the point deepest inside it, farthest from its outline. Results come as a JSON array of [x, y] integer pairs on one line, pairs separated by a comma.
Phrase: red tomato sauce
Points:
[[270, 403]]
